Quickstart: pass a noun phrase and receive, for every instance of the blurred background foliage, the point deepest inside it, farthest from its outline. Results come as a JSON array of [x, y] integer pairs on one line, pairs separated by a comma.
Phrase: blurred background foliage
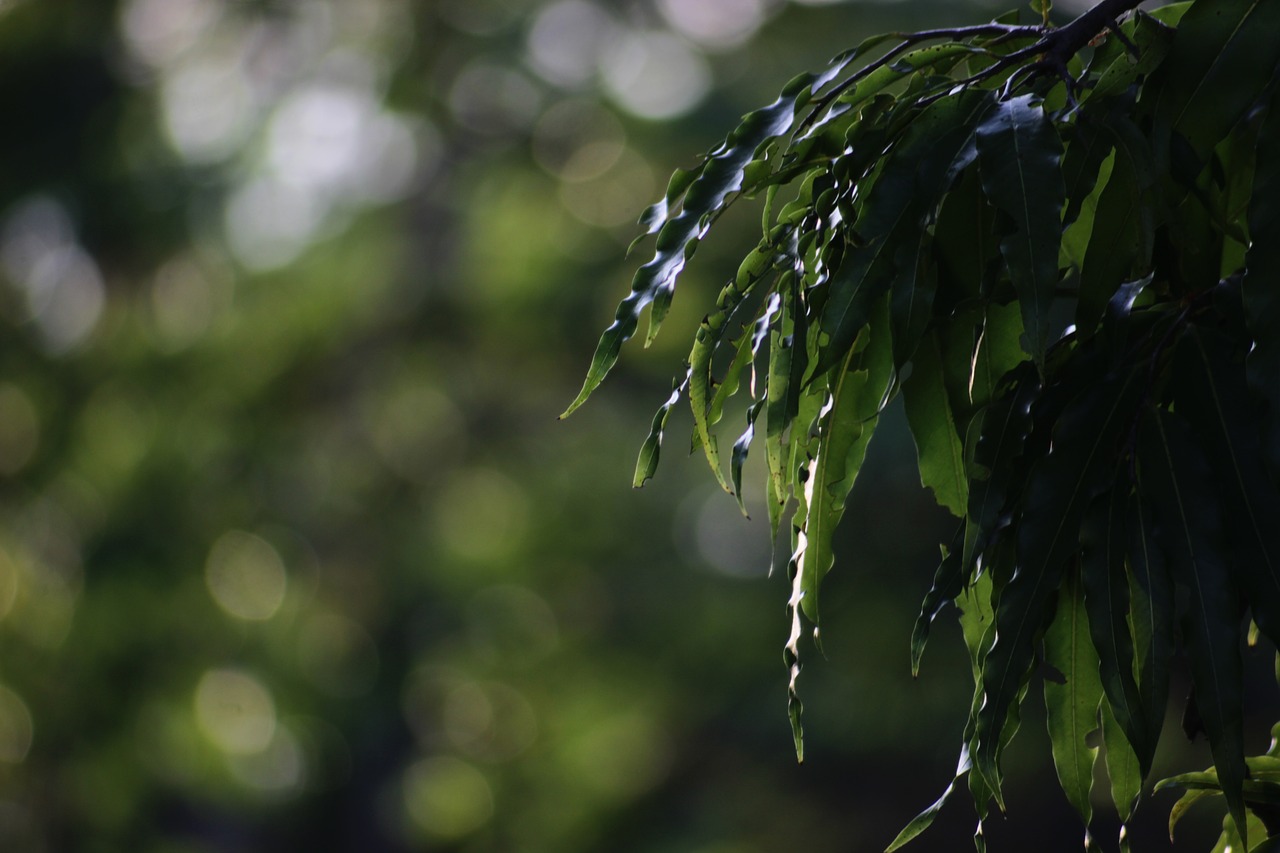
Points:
[[293, 552]]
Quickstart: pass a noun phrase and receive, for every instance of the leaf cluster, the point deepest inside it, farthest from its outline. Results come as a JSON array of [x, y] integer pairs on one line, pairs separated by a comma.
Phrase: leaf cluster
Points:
[[1064, 259]]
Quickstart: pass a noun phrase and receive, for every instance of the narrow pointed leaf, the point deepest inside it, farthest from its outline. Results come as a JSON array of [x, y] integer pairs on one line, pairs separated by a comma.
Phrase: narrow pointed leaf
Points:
[[1222, 56], [1177, 477], [948, 582], [1210, 391], [1151, 614], [719, 176], [1261, 295], [1071, 708], [1019, 154], [857, 394], [906, 190], [1123, 768], [647, 463], [939, 444], [1059, 489], [1106, 587], [925, 819]]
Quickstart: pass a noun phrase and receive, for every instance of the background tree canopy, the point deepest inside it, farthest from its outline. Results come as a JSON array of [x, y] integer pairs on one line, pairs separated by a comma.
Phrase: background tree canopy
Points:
[[293, 552], [1058, 244]]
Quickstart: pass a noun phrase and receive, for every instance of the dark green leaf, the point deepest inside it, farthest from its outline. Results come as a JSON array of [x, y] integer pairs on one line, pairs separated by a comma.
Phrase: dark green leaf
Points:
[[1106, 585], [1120, 244], [1261, 293], [1177, 477], [996, 459], [1222, 56], [948, 582], [1019, 154], [1059, 489], [1210, 392], [1151, 613], [905, 192], [1071, 707]]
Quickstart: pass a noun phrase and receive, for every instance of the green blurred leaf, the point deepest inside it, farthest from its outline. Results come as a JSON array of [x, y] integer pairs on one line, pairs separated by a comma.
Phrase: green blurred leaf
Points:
[[647, 463]]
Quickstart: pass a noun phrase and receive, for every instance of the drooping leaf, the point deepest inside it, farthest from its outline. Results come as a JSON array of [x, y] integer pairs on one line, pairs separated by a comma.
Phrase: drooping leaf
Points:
[[1123, 769], [1060, 487], [939, 445], [702, 193], [1071, 707], [857, 394], [647, 463], [904, 193], [1019, 154], [1177, 477], [1210, 392], [1151, 617], [1222, 56], [1106, 587], [1005, 424], [948, 582], [1120, 245], [925, 819], [1261, 296]]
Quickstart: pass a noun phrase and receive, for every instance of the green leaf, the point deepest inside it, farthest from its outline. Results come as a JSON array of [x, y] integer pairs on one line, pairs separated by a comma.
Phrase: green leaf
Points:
[[1123, 768], [996, 460], [857, 394], [647, 463], [1210, 392], [925, 819], [1152, 37], [1106, 586], [1060, 487], [948, 582], [1222, 56], [719, 176], [1261, 296], [786, 358], [1071, 707], [906, 191], [997, 352], [1151, 613], [1185, 802], [1120, 245], [1177, 477], [939, 445], [1019, 154]]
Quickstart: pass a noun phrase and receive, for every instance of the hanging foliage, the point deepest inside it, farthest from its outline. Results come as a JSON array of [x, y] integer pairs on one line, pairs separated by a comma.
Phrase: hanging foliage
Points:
[[1061, 247]]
